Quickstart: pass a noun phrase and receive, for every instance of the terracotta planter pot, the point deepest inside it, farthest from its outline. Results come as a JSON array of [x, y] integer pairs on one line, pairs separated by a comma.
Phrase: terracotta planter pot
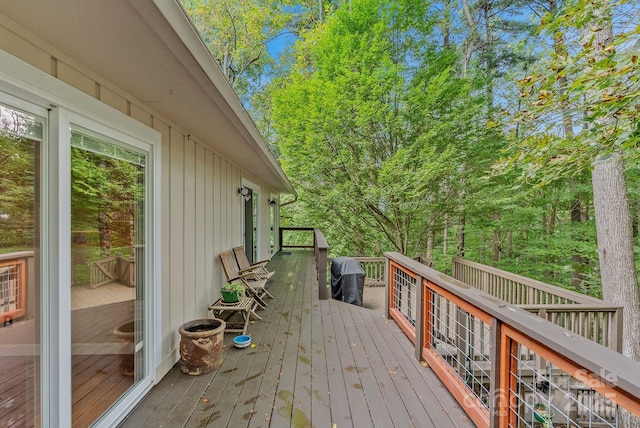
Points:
[[201, 345], [125, 335]]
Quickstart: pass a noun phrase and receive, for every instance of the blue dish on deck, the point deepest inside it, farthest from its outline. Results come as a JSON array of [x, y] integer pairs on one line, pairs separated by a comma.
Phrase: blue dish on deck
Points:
[[241, 341]]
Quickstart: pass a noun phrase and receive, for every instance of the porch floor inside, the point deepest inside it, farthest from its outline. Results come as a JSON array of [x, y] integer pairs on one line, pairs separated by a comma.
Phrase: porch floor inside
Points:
[[315, 364]]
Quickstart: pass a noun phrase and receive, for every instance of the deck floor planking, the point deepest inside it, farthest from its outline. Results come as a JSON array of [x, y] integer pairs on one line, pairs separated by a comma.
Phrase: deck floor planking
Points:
[[316, 363]]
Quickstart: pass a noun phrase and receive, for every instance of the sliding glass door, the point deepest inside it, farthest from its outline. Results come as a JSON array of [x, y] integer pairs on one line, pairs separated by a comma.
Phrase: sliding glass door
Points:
[[108, 200], [22, 133]]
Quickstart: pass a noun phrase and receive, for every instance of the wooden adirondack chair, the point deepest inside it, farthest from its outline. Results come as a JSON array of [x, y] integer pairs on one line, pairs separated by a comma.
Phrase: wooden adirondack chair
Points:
[[254, 285], [243, 263]]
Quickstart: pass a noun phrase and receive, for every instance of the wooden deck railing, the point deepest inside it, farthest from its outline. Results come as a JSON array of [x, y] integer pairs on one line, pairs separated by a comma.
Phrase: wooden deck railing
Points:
[[592, 318], [374, 271], [112, 269], [504, 365], [374, 267], [14, 283]]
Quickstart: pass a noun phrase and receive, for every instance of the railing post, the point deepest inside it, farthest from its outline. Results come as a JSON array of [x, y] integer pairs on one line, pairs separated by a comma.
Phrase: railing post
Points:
[[388, 288], [321, 250], [322, 274], [420, 316], [616, 330], [496, 394]]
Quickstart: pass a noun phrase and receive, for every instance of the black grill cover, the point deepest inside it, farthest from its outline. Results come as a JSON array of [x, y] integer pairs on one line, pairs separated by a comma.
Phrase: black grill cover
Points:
[[347, 280]]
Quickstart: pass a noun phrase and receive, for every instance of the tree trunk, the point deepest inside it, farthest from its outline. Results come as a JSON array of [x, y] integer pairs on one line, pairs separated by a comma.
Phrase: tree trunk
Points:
[[577, 278], [430, 244], [552, 220], [615, 251], [460, 246], [615, 247], [446, 24], [497, 243], [104, 229], [611, 205], [445, 235]]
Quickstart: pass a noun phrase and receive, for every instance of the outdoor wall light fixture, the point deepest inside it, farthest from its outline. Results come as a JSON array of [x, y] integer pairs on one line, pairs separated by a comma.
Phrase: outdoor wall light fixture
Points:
[[244, 192], [272, 202]]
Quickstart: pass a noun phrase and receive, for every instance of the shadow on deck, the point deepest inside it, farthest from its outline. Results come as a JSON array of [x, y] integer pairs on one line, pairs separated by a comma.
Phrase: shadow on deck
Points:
[[316, 363]]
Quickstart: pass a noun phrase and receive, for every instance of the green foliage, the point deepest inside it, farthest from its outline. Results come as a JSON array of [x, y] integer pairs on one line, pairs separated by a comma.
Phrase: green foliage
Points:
[[233, 287], [387, 118], [104, 192], [237, 33], [364, 134], [17, 191], [600, 94]]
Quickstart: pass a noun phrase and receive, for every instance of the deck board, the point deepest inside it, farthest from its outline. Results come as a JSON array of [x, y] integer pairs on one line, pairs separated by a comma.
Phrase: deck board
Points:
[[315, 363], [365, 352], [96, 379], [348, 370]]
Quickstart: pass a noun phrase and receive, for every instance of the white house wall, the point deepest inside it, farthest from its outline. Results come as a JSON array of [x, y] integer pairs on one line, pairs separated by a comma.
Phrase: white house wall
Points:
[[200, 206]]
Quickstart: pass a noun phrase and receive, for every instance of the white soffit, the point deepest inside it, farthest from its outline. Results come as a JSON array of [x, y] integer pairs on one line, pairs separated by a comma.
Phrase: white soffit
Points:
[[150, 49]]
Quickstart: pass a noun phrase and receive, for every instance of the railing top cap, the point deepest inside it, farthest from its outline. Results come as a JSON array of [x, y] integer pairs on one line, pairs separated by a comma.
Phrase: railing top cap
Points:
[[534, 283], [16, 255], [321, 241]]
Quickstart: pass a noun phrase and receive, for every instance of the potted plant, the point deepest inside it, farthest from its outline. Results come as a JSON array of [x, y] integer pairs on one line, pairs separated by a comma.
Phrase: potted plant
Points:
[[543, 414], [232, 292]]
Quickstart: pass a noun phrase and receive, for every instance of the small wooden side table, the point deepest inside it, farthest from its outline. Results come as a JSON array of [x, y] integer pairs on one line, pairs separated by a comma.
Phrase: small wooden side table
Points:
[[225, 311]]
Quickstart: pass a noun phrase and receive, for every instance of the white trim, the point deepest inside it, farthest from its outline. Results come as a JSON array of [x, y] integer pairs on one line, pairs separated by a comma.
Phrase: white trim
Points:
[[273, 228], [20, 104], [115, 131], [258, 225], [58, 254], [44, 346]]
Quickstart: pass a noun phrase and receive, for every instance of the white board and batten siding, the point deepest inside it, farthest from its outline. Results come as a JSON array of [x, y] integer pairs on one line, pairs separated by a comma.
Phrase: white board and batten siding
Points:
[[201, 216]]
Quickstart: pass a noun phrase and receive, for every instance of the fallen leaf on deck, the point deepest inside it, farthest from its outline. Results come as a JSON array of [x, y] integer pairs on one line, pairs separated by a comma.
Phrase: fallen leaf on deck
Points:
[[205, 400]]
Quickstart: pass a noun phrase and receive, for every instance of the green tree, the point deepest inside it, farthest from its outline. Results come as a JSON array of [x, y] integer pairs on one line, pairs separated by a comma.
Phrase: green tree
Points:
[[103, 197], [237, 33], [369, 123], [17, 190]]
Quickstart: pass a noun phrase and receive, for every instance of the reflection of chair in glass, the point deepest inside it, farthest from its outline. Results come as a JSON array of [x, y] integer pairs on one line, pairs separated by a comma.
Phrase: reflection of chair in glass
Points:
[[254, 285], [258, 267]]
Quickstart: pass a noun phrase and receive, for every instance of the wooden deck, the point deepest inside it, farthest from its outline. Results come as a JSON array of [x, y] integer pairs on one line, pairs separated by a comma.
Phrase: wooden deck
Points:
[[96, 378], [315, 364]]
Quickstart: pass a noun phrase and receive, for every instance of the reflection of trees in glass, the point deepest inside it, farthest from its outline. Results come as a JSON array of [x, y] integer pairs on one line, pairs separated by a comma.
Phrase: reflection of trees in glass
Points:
[[17, 160], [103, 200]]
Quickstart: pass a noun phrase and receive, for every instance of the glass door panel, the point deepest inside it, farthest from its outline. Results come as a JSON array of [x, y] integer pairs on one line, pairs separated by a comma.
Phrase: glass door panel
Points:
[[108, 189], [21, 137]]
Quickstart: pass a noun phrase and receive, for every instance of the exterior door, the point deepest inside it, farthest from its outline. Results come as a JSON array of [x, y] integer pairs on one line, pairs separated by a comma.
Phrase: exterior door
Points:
[[250, 225], [108, 199], [22, 137]]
